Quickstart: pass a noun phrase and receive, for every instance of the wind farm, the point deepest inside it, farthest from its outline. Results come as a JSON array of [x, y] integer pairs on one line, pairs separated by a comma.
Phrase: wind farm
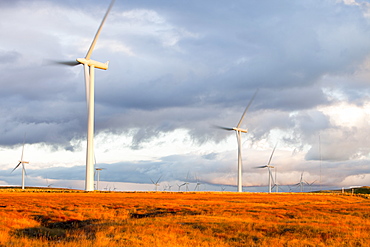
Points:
[[268, 73], [136, 147]]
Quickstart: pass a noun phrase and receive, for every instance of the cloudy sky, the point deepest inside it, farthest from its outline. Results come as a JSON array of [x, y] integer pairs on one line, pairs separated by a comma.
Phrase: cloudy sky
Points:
[[177, 69]]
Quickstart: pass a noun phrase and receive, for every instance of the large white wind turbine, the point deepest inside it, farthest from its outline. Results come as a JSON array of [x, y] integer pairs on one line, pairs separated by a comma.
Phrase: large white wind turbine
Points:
[[238, 131], [23, 168], [89, 66], [268, 166]]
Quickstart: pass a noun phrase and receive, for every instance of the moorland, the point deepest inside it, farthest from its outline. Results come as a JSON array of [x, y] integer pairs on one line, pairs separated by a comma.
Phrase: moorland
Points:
[[74, 218]]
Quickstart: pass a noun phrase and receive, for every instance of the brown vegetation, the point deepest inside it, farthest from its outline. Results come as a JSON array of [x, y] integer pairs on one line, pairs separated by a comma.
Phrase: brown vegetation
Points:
[[56, 218]]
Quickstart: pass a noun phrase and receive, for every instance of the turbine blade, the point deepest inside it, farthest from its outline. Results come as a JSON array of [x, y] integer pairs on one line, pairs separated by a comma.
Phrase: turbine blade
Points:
[[87, 84], [68, 63], [272, 154], [309, 184], [246, 109], [88, 55], [224, 128], [22, 152], [159, 179], [24, 140], [260, 167], [25, 173], [16, 166]]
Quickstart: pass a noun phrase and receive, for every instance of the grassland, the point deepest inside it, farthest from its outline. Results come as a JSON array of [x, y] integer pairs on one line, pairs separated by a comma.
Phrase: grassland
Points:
[[58, 218]]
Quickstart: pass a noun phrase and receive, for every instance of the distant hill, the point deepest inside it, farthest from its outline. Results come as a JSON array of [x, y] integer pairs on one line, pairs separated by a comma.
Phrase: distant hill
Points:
[[357, 190]]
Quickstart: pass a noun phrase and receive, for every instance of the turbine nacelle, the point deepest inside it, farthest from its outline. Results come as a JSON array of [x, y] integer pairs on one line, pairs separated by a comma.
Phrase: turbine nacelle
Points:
[[240, 130], [94, 63]]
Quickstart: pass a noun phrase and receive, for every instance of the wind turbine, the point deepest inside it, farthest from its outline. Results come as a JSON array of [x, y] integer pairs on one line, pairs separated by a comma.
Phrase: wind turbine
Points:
[[89, 66], [186, 186], [179, 186], [23, 168], [268, 166], [275, 185], [98, 176], [239, 139], [310, 184], [156, 184], [197, 186], [320, 159], [186, 183], [301, 183], [47, 183]]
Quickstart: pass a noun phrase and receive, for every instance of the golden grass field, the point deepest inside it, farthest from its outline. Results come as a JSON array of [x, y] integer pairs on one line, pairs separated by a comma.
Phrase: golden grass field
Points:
[[58, 218]]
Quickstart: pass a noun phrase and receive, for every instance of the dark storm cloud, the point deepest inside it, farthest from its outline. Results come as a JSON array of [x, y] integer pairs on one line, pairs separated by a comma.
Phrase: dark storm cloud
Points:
[[278, 53]]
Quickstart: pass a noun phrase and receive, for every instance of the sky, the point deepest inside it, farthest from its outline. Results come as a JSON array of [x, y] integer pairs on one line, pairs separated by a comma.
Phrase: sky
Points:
[[176, 70]]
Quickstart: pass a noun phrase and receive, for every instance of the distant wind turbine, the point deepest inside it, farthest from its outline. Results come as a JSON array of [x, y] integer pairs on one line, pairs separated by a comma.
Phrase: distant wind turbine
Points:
[[179, 186], [197, 186], [186, 186], [47, 183], [239, 139], [268, 166], [98, 176], [320, 160], [310, 184], [89, 66], [156, 184], [22, 162], [186, 183], [301, 183], [275, 185]]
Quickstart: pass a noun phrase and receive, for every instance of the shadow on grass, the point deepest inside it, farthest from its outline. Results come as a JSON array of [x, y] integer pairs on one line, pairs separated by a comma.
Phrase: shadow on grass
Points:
[[62, 230]]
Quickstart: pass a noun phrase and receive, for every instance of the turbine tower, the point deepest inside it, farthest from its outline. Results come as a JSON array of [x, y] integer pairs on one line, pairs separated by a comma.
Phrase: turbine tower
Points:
[[268, 166], [89, 66], [23, 168], [238, 132]]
